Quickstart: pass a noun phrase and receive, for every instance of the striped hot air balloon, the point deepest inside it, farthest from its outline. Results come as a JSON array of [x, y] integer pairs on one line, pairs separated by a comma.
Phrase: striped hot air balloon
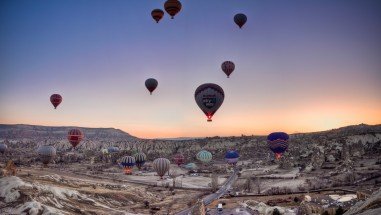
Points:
[[209, 98], [128, 162], [161, 166], [157, 14], [228, 67], [179, 159], [140, 159], [3, 148], [278, 143], [232, 157], [172, 7], [55, 99], [46, 154], [204, 156], [75, 136]]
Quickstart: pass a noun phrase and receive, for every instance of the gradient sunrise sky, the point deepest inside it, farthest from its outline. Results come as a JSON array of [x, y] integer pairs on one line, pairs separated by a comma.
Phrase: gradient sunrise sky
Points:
[[300, 65]]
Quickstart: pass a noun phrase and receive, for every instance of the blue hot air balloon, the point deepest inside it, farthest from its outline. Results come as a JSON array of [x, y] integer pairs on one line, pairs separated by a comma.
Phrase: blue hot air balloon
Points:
[[128, 162], [231, 157], [278, 143]]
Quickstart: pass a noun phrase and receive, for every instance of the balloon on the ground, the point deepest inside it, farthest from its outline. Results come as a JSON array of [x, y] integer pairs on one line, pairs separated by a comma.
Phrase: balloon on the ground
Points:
[[232, 157], [46, 153], [140, 159], [204, 156], [190, 166], [128, 162], [3, 148], [172, 7], [240, 19], [55, 99], [228, 67], [179, 159], [161, 166], [112, 149], [75, 136], [157, 14], [151, 84], [278, 143], [209, 97]]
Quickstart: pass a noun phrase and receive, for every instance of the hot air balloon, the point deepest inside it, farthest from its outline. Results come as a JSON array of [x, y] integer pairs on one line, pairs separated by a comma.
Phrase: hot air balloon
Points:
[[112, 149], [231, 157], [3, 148], [204, 156], [190, 166], [179, 159], [228, 67], [55, 99], [46, 154], [157, 14], [140, 159], [172, 7], [151, 84], [278, 143], [161, 166], [75, 136], [128, 162], [209, 98], [240, 19], [104, 151]]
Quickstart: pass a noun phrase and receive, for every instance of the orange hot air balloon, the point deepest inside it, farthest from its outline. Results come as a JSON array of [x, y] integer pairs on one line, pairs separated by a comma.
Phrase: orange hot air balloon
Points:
[[75, 136], [172, 7], [55, 99], [157, 14]]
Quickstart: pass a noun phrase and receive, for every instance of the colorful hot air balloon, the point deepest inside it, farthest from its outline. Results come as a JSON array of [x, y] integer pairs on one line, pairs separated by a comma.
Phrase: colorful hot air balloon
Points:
[[228, 67], [55, 99], [75, 136], [157, 14], [140, 159], [190, 166], [46, 154], [204, 156], [232, 157], [128, 162], [209, 98], [172, 7], [179, 159], [161, 166], [151, 84], [3, 148], [240, 19], [112, 149], [278, 143]]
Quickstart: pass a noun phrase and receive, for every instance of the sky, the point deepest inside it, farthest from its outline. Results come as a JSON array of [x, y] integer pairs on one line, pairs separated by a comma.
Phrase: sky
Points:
[[301, 66]]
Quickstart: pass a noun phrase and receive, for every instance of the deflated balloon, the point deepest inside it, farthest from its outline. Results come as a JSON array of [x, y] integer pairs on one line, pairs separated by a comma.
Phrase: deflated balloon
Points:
[[55, 99], [228, 67], [151, 84], [157, 14], [240, 19], [75, 136], [46, 154], [161, 166], [209, 98], [204, 156], [172, 7], [278, 143]]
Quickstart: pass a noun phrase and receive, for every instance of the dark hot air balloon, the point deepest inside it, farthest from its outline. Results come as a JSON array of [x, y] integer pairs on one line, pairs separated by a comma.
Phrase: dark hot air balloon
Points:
[[140, 159], [209, 98], [228, 67], [46, 154], [75, 136], [172, 7], [161, 166], [55, 99], [128, 162], [179, 159], [278, 143], [3, 148], [232, 157], [240, 19], [157, 14], [151, 84]]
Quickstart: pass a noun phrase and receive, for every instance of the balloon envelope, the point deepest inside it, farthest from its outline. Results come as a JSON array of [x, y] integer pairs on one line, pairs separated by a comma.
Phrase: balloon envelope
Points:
[[161, 166], [157, 14], [55, 99], [179, 159], [128, 161], [112, 149], [46, 154], [209, 97], [240, 19], [140, 159], [172, 7], [3, 148], [204, 156], [151, 84], [228, 67], [278, 143], [231, 157], [75, 136]]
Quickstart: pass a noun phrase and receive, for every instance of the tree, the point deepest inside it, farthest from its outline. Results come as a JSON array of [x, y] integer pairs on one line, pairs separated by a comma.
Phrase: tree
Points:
[[258, 184], [214, 182]]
